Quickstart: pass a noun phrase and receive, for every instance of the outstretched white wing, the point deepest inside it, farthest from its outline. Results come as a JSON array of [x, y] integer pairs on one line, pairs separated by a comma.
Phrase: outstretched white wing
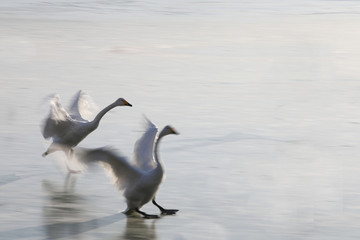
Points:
[[144, 147], [118, 167], [58, 121], [82, 107]]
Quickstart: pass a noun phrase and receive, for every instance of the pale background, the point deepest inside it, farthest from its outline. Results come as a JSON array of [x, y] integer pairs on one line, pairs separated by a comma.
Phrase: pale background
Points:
[[264, 93]]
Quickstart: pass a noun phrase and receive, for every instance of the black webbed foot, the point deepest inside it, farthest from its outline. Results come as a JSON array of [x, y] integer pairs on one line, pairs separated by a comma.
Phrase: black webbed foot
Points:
[[169, 211], [145, 215], [163, 210]]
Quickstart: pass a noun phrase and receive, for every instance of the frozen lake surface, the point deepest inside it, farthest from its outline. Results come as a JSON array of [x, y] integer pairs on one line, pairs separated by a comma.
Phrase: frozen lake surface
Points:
[[265, 95]]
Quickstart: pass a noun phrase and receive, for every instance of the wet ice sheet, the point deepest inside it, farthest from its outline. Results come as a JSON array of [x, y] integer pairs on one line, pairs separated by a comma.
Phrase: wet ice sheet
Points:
[[266, 107]]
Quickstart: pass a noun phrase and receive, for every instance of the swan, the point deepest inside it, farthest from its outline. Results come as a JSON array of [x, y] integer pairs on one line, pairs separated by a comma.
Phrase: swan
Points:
[[68, 129], [138, 181]]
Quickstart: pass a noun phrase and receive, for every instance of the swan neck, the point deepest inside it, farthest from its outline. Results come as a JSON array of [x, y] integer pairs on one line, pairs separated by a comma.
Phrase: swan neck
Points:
[[156, 152], [100, 115]]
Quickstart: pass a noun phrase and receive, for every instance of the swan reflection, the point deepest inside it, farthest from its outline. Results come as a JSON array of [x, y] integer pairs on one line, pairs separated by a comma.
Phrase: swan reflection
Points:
[[63, 205], [139, 228], [66, 213]]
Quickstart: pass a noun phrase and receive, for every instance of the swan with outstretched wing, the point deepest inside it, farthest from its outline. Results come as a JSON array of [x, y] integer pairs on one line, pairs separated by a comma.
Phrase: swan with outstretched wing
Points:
[[68, 129], [139, 182]]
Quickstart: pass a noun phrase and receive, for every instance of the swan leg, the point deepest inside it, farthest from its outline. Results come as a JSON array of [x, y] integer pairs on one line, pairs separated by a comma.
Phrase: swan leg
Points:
[[70, 154], [71, 170], [163, 210], [149, 216]]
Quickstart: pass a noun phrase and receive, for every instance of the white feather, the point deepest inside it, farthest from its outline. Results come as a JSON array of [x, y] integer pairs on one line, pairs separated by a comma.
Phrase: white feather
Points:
[[83, 107], [118, 167], [144, 147], [58, 121]]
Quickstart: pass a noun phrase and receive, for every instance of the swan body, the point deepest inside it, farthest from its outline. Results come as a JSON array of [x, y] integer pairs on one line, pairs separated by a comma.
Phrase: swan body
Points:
[[68, 129], [138, 181]]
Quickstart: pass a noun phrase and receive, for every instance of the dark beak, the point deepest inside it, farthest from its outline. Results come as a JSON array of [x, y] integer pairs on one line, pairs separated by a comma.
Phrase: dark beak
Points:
[[128, 104]]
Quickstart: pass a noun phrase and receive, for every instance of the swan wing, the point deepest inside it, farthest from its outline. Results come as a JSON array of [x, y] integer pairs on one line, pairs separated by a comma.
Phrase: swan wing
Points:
[[120, 170], [74, 110], [82, 107], [144, 147], [58, 122]]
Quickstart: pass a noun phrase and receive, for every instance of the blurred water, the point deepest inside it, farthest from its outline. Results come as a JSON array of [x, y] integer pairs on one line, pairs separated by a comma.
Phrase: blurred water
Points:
[[184, 8], [264, 94]]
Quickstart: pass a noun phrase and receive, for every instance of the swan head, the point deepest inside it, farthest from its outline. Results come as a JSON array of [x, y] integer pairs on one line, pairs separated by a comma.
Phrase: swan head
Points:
[[168, 130], [122, 102]]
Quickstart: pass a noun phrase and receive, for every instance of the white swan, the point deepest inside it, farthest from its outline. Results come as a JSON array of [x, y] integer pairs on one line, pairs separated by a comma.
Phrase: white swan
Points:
[[139, 182], [68, 129]]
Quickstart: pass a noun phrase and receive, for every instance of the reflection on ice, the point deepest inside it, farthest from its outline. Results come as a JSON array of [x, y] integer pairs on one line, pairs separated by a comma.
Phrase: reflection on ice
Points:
[[139, 228], [65, 214], [65, 209], [202, 230], [63, 202], [5, 179]]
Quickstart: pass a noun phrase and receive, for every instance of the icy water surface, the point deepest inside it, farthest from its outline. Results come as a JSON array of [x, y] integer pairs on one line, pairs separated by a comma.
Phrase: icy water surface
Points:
[[265, 95]]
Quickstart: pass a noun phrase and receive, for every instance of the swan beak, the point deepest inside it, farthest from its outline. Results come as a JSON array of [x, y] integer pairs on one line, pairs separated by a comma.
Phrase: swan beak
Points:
[[174, 131], [127, 103]]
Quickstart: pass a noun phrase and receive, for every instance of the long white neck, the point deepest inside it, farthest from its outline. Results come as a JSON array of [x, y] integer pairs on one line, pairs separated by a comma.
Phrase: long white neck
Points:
[[100, 115], [160, 165]]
